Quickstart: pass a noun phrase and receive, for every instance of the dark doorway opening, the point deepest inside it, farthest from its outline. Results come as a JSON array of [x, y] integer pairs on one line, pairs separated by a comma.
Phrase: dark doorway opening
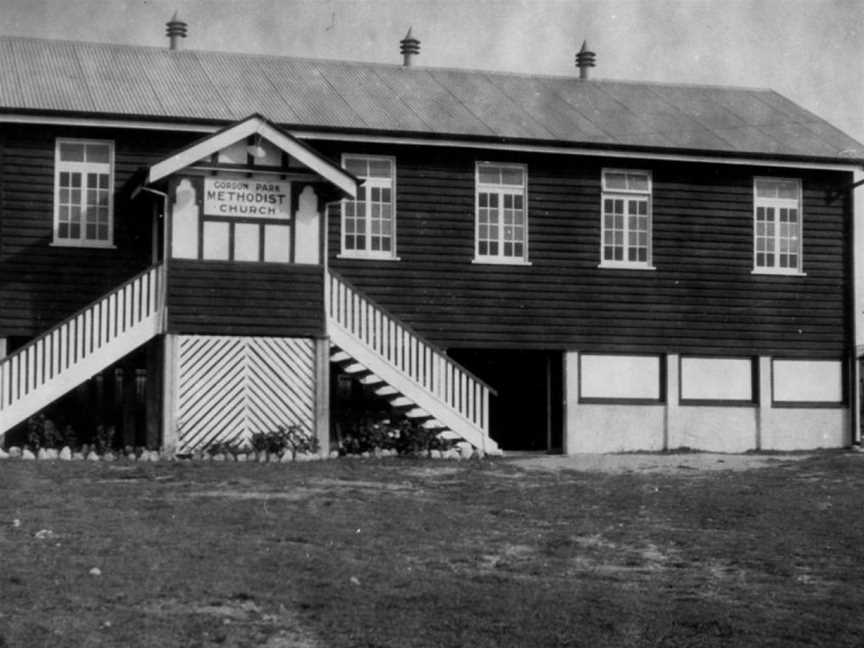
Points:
[[527, 413]]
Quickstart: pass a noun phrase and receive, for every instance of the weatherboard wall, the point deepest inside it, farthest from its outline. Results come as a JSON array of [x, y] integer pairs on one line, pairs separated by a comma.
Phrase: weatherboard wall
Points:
[[701, 298], [40, 284], [237, 298]]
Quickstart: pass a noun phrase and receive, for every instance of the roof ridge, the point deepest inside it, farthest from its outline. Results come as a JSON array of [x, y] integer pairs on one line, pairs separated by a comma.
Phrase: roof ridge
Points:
[[380, 64]]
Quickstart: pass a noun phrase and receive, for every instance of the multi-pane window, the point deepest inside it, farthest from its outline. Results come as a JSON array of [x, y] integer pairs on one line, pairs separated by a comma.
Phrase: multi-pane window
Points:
[[368, 228], [626, 238], [777, 225], [502, 224], [83, 203]]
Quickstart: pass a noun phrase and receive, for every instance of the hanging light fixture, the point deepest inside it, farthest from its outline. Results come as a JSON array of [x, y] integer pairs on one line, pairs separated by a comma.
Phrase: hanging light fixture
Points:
[[256, 148]]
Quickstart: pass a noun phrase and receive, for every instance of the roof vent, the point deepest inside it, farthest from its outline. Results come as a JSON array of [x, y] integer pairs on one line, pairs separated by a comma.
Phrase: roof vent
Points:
[[585, 59], [175, 29], [409, 47]]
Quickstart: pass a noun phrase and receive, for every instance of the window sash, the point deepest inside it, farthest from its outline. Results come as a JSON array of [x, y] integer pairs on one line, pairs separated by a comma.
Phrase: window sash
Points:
[[626, 237], [501, 215], [368, 221], [626, 218], [83, 192], [777, 226]]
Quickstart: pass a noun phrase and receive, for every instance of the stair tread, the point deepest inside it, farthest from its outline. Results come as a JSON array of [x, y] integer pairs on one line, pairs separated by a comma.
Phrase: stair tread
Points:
[[354, 368], [417, 412]]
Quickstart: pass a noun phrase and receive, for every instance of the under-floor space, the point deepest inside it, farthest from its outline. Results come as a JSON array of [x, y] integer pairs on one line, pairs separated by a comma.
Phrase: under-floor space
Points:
[[527, 412]]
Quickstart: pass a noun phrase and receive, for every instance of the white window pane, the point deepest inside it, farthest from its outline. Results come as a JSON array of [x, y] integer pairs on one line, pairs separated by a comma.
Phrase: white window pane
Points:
[[787, 189], [357, 166], [614, 376], [766, 188], [717, 379], [511, 176], [71, 152], [277, 243], [379, 168], [489, 174], [615, 180], [215, 240], [637, 182], [97, 153], [246, 242], [817, 381]]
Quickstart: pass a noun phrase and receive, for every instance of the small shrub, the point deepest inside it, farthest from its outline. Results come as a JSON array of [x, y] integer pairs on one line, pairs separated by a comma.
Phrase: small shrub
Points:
[[103, 440], [413, 438], [365, 435], [405, 436], [283, 439], [43, 433], [222, 447]]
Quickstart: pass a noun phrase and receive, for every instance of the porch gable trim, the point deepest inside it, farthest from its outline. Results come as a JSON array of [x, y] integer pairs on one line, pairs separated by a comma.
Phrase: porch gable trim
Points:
[[253, 125]]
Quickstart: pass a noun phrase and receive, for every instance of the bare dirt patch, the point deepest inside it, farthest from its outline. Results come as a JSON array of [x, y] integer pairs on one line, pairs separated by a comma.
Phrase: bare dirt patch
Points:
[[751, 551], [672, 463]]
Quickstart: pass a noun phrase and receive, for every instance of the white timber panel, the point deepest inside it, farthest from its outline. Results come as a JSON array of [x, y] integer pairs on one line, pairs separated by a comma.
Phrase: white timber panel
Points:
[[184, 218], [721, 379], [807, 381], [619, 376], [231, 387], [308, 228]]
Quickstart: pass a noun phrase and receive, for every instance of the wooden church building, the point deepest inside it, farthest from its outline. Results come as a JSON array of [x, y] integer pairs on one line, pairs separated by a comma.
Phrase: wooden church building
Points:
[[196, 246]]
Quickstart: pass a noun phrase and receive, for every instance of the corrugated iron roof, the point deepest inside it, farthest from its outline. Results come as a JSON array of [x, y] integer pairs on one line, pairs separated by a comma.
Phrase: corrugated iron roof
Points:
[[146, 82]]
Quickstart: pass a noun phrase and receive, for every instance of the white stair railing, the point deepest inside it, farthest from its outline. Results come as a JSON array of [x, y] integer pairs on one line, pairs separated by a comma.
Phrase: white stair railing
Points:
[[81, 346], [403, 350]]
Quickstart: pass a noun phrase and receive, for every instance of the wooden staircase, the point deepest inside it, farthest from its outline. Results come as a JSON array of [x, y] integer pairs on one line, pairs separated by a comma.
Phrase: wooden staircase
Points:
[[397, 364], [81, 346]]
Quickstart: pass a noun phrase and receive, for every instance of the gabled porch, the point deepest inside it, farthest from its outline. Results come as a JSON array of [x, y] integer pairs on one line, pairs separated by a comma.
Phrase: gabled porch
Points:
[[240, 311]]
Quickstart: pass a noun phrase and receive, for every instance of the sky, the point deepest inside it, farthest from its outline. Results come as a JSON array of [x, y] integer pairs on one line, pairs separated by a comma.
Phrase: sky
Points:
[[811, 51]]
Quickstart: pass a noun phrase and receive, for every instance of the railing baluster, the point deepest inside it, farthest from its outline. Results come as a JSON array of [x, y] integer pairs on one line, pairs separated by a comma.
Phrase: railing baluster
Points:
[[15, 377], [38, 377]]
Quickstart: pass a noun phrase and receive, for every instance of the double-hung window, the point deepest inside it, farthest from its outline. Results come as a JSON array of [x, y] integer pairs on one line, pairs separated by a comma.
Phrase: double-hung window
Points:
[[777, 226], [626, 235], [502, 217], [83, 193], [369, 221]]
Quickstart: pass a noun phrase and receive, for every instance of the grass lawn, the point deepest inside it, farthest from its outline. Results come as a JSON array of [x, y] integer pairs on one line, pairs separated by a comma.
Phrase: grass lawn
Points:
[[409, 553]]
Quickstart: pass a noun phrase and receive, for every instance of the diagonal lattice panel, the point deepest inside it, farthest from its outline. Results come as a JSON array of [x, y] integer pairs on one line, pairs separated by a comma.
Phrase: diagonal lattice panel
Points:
[[281, 383], [230, 387]]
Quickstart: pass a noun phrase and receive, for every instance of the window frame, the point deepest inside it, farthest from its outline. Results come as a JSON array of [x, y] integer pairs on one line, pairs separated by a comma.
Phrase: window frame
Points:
[[500, 258], [61, 166], [381, 255], [626, 195], [777, 204]]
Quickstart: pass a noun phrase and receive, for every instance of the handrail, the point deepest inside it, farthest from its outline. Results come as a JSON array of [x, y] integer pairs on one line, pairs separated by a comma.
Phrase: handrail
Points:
[[78, 337], [435, 347]]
